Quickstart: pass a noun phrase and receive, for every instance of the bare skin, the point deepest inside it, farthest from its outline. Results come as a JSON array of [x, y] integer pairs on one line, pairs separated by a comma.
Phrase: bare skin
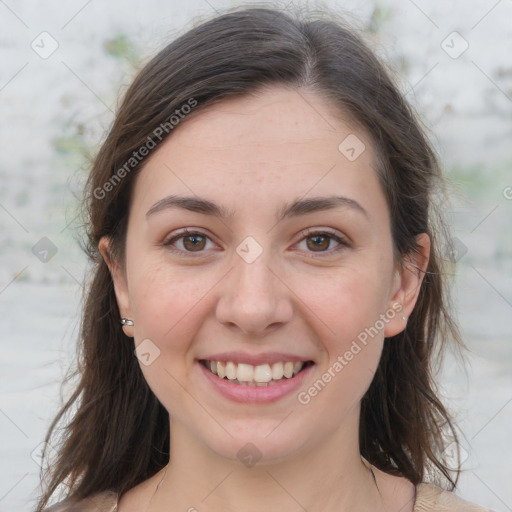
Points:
[[397, 494], [252, 155]]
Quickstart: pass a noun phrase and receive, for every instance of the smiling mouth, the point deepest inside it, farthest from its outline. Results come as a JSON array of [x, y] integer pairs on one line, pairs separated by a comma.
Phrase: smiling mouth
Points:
[[262, 375]]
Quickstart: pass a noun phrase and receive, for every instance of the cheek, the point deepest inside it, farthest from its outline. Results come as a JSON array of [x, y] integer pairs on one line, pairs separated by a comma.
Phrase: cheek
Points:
[[167, 306], [346, 300], [163, 302], [353, 342], [348, 308]]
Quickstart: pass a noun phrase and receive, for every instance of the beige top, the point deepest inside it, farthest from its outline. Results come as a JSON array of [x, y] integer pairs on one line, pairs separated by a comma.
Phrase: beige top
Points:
[[429, 498]]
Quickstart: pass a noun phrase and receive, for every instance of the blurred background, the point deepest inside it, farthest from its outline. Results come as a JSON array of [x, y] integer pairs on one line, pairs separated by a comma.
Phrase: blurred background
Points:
[[62, 68]]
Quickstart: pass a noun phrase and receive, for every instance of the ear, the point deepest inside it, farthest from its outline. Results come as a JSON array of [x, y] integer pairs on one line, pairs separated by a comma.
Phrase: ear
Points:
[[120, 283], [407, 284]]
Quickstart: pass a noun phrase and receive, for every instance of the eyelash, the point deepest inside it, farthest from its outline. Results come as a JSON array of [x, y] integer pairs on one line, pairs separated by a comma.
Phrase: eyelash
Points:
[[305, 234]]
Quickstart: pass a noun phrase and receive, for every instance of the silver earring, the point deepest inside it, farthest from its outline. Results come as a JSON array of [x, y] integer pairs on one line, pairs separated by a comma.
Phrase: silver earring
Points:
[[125, 321], [404, 318]]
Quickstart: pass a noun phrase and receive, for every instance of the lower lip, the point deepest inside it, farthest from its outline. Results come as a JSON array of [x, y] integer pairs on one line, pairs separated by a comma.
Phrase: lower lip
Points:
[[255, 394]]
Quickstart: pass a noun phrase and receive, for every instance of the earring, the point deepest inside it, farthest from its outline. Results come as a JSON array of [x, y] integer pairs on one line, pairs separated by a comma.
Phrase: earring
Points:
[[404, 318], [125, 321]]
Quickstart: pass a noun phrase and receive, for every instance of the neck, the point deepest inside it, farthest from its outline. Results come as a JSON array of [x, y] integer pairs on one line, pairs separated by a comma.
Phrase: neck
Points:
[[330, 476]]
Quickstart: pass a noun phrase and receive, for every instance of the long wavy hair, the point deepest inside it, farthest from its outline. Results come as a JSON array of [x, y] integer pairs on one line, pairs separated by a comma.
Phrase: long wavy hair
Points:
[[115, 432]]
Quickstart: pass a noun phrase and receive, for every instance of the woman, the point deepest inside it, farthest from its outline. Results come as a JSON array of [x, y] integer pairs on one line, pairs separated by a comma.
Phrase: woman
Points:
[[268, 290]]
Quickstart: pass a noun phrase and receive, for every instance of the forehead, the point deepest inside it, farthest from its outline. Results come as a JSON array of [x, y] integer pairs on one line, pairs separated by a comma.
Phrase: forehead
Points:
[[276, 142], [274, 116]]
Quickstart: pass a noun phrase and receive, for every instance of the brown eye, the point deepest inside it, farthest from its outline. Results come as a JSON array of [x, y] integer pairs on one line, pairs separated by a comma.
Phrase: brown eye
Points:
[[320, 241], [194, 242], [187, 242]]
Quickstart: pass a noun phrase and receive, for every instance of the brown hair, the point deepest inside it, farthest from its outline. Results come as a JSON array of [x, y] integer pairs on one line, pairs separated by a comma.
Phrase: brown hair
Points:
[[119, 434]]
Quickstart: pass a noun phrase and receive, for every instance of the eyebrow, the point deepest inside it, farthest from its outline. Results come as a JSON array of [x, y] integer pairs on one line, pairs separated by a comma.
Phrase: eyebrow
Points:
[[293, 209]]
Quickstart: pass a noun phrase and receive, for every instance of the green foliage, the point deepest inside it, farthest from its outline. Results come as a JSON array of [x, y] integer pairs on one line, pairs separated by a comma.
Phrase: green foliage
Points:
[[380, 16], [122, 48]]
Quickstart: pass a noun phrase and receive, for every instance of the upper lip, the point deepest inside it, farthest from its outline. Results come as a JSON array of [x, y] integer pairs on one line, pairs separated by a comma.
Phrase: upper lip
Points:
[[255, 359]]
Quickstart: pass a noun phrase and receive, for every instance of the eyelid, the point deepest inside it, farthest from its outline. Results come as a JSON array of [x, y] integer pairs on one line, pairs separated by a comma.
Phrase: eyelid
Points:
[[318, 231], [167, 243], [341, 239]]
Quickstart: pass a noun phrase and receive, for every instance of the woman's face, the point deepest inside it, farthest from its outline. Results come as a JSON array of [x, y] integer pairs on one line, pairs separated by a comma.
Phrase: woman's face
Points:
[[289, 260]]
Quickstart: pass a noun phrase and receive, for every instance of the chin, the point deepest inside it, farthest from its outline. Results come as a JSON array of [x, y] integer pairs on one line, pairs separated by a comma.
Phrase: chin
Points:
[[258, 444]]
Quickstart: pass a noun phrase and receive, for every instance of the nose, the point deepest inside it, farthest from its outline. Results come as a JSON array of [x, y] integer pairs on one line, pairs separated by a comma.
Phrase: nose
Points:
[[254, 299]]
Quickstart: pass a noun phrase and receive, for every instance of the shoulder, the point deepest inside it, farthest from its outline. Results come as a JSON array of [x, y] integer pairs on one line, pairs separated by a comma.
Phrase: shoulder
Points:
[[431, 498], [99, 502]]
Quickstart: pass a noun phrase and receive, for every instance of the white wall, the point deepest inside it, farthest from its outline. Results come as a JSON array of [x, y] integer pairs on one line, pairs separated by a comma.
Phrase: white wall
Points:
[[466, 102]]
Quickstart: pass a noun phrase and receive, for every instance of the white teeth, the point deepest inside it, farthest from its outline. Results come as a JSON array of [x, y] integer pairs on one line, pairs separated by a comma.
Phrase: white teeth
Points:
[[288, 370], [231, 370], [277, 371], [245, 372], [221, 369], [263, 373], [249, 375]]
